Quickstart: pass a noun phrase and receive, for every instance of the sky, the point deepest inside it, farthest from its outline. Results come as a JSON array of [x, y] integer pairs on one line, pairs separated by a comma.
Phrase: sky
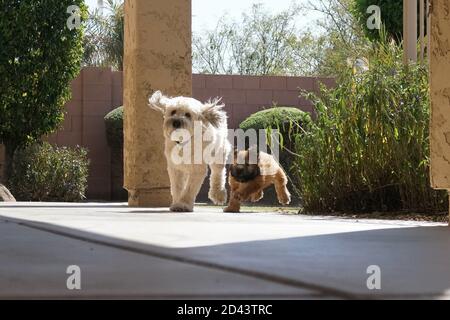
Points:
[[205, 13]]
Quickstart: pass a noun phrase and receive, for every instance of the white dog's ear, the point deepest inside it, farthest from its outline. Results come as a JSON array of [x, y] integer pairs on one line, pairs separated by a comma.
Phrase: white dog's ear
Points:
[[213, 113], [156, 102]]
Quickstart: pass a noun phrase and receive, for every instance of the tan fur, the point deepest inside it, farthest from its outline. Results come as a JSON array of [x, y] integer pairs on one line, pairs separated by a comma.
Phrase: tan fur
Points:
[[253, 190]]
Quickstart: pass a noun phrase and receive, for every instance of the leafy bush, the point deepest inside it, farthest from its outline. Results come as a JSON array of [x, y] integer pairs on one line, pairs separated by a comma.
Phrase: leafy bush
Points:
[[114, 127], [39, 56], [369, 148], [42, 172]]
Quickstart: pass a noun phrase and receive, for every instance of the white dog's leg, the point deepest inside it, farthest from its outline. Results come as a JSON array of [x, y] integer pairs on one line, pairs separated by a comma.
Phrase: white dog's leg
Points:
[[217, 191], [193, 184], [177, 183]]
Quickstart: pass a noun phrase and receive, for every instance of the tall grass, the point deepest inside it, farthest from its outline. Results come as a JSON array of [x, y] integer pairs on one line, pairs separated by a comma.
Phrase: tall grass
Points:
[[369, 148]]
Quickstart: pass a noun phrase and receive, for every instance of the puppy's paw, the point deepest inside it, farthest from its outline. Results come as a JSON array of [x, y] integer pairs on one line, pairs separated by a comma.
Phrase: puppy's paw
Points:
[[231, 210], [181, 207], [218, 197], [285, 199]]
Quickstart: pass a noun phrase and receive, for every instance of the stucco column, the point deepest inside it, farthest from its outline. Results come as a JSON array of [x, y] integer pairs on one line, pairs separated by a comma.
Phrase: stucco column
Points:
[[440, 94], [410, 30], [157, 57]]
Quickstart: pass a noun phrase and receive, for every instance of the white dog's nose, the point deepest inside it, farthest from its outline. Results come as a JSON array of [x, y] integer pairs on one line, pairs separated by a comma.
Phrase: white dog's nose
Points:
[[176, 124]]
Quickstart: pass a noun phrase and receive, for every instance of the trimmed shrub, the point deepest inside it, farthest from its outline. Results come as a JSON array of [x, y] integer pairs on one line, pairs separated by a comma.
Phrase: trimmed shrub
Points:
[[369, 149], [114, 134], [276, 118], [41, 172], [114, 128], [287, 120]]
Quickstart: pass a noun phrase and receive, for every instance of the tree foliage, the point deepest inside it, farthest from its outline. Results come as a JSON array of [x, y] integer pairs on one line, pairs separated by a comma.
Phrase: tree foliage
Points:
[[391, 17], [104, 40], [39, 56], [336, 40], [260, 44]]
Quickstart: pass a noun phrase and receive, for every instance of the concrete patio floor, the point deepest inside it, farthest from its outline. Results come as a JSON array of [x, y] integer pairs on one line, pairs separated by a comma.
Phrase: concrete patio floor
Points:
[[151, 253]]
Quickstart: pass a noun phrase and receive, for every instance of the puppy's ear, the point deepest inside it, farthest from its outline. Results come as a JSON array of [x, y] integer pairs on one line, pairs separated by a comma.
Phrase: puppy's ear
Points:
[[213, 113], [157, 102]]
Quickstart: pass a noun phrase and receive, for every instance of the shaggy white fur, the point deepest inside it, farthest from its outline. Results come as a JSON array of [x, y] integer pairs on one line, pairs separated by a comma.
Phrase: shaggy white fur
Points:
[[187, 121]]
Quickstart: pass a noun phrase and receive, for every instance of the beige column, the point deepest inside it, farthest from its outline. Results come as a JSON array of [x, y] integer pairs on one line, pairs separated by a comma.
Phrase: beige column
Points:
[[157, 57], [410, 30], [440, 94]]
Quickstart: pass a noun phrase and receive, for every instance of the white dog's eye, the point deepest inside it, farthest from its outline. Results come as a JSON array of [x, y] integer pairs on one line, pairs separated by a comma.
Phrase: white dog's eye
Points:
[[173, 113], [188, 115]]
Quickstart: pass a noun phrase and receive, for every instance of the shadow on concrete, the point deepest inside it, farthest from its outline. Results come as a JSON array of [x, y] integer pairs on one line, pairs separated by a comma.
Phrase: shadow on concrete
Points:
[[414, 261]]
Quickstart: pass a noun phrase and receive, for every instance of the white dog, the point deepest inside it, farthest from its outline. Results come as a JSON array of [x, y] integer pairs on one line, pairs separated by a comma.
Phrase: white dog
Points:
[[185, 119]]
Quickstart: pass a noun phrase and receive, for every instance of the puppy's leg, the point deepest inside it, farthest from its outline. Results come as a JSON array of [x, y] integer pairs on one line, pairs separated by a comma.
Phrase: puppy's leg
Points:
[[280, 181], [244, 192], [217, 191], [177, 182], [193, 184], [234, 205], [247, 190], [257, 196]]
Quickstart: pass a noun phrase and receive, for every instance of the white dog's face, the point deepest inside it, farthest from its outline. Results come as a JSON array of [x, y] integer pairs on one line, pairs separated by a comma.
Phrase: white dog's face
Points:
[[179, 117], [181, 113]]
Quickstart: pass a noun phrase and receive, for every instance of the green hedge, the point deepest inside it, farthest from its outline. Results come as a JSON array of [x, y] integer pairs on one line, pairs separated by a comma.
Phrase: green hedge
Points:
[[114, 127], [42, 172], [289, 121], [276, 118]]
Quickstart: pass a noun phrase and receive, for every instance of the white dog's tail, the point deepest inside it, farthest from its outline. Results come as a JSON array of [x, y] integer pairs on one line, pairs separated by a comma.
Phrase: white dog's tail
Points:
[[156, 101]]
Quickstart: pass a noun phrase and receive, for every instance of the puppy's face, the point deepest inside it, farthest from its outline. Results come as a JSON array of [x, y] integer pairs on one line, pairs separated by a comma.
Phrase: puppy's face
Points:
[[245, 165], [182, 114]]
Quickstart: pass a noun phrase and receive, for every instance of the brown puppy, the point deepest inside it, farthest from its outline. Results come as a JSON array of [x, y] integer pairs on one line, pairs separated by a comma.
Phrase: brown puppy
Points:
[[249, 177]]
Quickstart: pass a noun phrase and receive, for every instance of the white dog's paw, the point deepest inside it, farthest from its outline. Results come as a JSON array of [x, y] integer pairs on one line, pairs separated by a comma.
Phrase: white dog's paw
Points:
[[218, 197], [181, 207]]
